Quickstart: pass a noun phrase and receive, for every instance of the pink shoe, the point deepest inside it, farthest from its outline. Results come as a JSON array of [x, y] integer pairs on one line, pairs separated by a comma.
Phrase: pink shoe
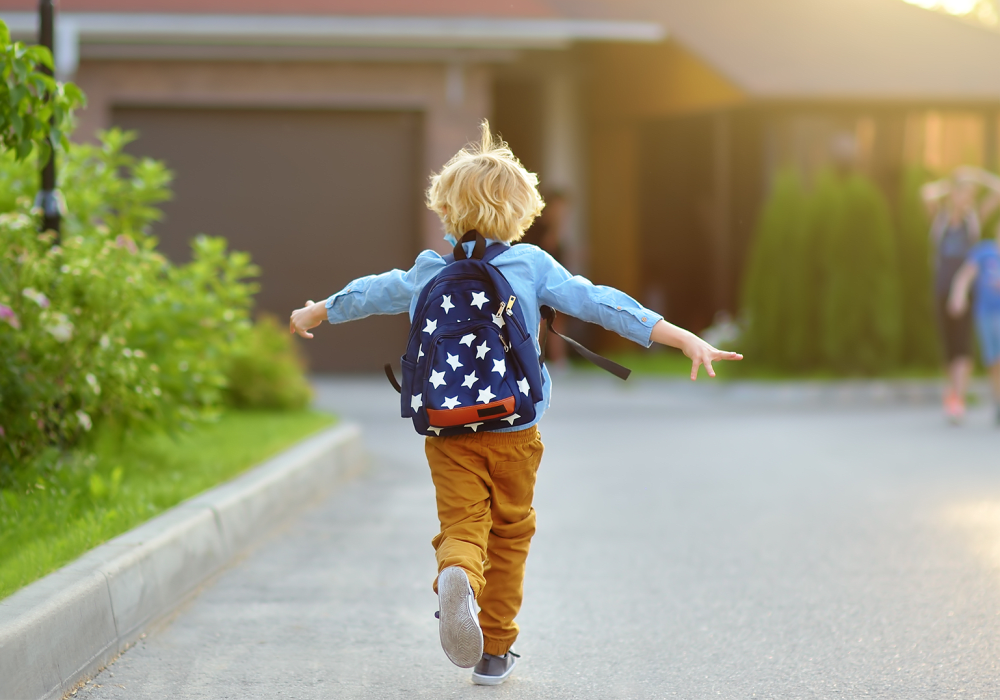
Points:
[[954, 408]]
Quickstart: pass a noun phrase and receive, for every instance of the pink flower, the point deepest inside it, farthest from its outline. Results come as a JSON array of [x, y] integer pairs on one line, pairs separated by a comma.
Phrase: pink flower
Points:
[[123, 241], [7, 314], [36, 296]]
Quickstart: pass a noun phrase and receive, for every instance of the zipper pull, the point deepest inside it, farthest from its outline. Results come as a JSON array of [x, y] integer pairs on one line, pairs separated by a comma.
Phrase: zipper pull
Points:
[[510, 305], [502, 307]]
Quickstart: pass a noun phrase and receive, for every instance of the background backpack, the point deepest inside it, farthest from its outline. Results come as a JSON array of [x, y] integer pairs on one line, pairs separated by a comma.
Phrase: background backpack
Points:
[[470, 361]]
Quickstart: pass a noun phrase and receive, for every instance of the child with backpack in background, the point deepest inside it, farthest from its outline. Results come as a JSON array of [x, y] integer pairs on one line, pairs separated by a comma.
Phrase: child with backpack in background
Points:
[[473, 383], [982, 268]]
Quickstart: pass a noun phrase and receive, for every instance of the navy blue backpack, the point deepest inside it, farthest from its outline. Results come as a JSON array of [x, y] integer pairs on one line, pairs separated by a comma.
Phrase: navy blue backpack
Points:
[[470, 361]]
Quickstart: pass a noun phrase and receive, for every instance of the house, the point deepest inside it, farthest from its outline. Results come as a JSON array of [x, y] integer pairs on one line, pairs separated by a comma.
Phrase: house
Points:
[[305, 130]]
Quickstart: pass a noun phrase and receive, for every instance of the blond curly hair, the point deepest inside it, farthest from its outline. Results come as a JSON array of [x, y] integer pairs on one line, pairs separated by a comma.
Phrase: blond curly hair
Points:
[[485, 187]]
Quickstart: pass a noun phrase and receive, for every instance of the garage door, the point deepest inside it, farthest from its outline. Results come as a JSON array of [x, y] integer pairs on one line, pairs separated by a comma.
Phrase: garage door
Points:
[[317, 198]]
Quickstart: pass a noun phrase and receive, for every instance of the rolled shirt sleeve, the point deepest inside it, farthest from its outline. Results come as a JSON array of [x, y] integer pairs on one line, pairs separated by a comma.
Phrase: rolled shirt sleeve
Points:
[[387, 293], [606, 306]]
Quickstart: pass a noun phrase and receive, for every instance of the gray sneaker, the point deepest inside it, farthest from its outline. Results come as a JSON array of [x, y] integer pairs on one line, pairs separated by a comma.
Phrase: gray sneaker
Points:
[[461, 635], [493, 670]]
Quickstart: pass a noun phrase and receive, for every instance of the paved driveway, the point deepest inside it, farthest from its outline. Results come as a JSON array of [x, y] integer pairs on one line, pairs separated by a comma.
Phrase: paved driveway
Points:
[[694, 542]]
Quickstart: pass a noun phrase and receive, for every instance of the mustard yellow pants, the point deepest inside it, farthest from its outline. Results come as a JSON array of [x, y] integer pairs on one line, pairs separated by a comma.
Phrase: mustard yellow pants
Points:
[[484, 484]]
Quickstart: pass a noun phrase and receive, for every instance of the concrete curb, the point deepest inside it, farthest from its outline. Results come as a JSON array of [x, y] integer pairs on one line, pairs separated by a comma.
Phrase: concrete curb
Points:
[[71, 623]]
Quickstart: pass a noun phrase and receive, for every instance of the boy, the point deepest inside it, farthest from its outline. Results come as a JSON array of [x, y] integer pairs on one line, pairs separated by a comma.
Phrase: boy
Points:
[[982, 267], [484, 481]]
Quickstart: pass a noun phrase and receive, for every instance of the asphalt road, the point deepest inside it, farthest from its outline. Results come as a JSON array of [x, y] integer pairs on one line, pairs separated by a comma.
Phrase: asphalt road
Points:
[[694, 542]]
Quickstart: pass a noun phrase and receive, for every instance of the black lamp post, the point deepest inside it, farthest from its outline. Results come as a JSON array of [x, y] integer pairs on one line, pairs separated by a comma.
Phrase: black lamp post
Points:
[[47, 199]]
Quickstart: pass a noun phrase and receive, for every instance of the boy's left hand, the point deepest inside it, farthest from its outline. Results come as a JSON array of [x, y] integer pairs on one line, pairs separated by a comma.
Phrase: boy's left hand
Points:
[[307, 318], [701, 353]]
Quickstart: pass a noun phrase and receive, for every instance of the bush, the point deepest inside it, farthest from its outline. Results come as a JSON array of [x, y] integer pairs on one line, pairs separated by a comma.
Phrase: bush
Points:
[[824, 286], [267, 372], [862, 312], [101, 327], [772, 298]]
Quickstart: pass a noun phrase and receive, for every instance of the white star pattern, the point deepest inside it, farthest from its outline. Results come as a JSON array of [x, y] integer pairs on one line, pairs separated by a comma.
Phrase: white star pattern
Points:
[[431, 326], [523, 386], [437, 431], [498, 320], [481, 350], [451, 403], [470, 380], [478, 299], [453, 361], [474, 426], [416, 402], [467, 339], [500, 367], [421, 353], [486, 395], [446, 303], [511, 419], [437, 378]]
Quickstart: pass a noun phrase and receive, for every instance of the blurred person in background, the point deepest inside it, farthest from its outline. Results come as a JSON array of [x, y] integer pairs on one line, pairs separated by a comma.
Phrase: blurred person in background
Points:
[[982, 267], [955, 230]]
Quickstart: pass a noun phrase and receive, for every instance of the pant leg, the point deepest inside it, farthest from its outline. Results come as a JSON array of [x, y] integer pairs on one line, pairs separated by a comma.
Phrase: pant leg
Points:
[[514, 461], [459, 469]]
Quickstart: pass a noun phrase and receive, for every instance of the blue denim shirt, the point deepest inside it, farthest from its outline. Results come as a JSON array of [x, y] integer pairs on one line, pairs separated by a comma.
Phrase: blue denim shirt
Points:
[[534, 275]]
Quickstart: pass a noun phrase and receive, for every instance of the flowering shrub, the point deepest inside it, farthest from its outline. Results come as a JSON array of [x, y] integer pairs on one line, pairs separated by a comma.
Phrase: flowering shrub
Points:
[[99, 326]]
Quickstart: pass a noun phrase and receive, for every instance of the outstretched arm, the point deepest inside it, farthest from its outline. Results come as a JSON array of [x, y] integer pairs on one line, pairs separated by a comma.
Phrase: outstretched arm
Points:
[[387, 293], [618, 312], [697, 350]]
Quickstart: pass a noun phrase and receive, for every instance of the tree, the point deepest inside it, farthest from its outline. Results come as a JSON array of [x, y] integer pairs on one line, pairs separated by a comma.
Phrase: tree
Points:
[[35, 110]]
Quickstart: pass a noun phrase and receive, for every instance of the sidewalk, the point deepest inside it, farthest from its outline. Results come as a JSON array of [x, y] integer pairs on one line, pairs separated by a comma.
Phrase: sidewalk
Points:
[[694, 541]]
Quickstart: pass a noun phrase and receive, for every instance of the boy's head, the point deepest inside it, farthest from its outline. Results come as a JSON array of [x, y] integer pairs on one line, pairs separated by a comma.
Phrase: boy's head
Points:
[[484, 187]]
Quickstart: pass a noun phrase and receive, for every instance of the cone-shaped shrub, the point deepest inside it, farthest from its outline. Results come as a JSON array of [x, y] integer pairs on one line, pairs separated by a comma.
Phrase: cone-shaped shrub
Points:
[[824, 214], [862, 324], [770, 289]]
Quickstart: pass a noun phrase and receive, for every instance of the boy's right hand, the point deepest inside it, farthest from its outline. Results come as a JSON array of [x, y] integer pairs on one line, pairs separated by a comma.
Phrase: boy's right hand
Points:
[[306, 318]]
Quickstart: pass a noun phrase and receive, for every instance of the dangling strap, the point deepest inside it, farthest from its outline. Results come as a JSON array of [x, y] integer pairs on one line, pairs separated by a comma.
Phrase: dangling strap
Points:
[[392, 378], [549, 314]]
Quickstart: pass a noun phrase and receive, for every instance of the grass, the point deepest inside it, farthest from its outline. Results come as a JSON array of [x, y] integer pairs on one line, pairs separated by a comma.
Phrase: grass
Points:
[[73, 502], [659, 362], [668, 362]]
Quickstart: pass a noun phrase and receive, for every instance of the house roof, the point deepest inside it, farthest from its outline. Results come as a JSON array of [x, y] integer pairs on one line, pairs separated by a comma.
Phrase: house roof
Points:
[[827, 49], [399, 8], [781, 49]]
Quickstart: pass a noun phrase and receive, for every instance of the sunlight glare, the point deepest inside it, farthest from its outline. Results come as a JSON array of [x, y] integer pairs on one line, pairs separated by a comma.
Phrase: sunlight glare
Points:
[[982, 11]]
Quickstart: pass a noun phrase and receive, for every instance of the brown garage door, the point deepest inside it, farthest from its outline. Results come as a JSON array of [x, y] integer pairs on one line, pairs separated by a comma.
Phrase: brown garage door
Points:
[[317, 197]]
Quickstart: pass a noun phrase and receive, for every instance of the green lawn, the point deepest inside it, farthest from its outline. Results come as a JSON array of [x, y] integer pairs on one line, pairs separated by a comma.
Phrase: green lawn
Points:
[[50, 520], [663, 362], [668, 362]]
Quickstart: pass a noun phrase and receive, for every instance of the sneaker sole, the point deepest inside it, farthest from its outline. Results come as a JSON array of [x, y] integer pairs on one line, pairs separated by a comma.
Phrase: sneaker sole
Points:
[[492, 680], [461, 636]]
